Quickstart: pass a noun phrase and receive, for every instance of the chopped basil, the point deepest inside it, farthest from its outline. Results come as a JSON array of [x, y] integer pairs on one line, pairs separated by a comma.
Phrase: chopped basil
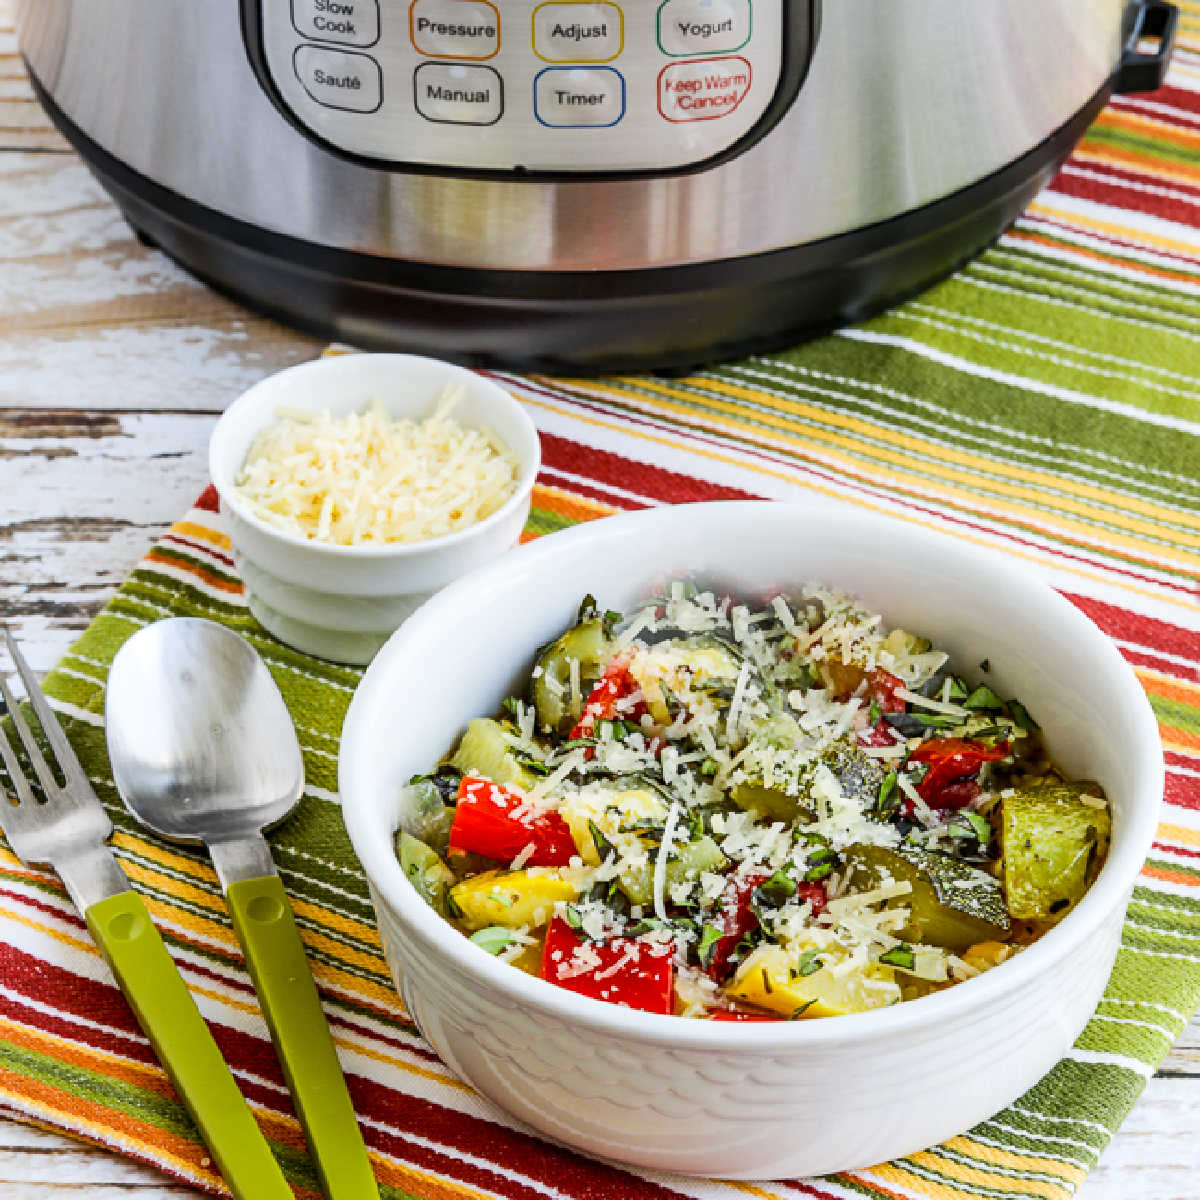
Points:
[[816, 874], [888, 803], [709, 767], [780, 888], [958, 689], [710, 936], [494, 939], [1021, 717], [604, 847], [902, 956], [571, 915], [985, 666], [874, 712], [972, 826], [799, 1012], [983, 697], [809, 963]]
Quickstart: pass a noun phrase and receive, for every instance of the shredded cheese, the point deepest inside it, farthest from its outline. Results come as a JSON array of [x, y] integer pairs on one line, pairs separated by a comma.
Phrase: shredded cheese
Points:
[[366, 479]]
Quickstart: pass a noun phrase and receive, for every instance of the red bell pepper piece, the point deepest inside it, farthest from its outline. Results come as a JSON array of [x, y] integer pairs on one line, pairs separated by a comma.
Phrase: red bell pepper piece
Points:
[[601, 704], [497, 822], [741, 1014], [882, 687], [736, 920], [816, 895], [627, 971], [954, 763]]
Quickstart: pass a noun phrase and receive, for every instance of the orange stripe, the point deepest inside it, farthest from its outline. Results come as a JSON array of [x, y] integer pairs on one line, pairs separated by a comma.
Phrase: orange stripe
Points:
[[1142, 268], [202, 573], [1170, 876], [567, 504], [1155, 127], [1179, 737], [1182, 691]]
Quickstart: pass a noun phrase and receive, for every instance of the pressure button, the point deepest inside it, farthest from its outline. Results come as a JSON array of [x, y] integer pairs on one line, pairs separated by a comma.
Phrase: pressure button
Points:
[[350, 22], [467, 29], [688, 27]]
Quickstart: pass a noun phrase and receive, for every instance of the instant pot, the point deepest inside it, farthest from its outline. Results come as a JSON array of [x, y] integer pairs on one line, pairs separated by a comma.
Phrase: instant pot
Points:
[[579, 186]]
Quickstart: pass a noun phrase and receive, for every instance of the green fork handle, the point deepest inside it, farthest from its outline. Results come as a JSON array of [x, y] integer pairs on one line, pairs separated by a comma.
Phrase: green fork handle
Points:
[[262, 919], [165, 1010]]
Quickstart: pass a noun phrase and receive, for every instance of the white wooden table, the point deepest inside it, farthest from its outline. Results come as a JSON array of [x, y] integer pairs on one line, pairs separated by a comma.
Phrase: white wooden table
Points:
[[113, 364]]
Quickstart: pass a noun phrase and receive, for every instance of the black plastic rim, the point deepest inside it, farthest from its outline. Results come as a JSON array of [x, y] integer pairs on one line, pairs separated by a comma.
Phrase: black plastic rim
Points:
[[581, 322]]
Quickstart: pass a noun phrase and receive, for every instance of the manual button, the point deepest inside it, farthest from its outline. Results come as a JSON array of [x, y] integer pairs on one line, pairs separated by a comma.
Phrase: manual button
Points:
[[687, 27], [567, 97], [564, 32], [340, 78], [353, 22], [458, 95], [455, 28]]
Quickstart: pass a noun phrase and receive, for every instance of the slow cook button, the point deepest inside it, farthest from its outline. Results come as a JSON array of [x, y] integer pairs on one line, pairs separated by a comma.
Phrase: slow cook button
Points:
[[569, 97], [457, 95], [455, 28], [577, 32], [353, 22], [339, 78], [703, 90], [703, 26]]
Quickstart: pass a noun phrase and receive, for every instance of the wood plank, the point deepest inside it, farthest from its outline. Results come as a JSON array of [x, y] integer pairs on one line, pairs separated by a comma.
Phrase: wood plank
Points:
[[23, 125]]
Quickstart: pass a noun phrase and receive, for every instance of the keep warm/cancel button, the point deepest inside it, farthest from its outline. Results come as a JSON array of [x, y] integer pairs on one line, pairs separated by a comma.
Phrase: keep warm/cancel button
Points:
[[703, 89]]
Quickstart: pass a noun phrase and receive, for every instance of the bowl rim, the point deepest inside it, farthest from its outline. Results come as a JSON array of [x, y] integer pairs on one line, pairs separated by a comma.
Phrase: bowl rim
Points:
[[1109, 893], [493, 394]]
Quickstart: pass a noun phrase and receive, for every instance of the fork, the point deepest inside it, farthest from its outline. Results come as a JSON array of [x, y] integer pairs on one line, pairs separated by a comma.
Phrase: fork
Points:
[[69, 831]]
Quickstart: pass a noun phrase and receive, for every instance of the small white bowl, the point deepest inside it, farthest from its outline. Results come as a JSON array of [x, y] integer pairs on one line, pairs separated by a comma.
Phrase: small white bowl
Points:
[[343, 602], [771, 1100]]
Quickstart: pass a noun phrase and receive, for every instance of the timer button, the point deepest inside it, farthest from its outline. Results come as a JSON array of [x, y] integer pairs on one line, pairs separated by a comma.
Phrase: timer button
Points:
[[351, 22], [579, 97], [455, 28], [565, 32], [339, 78], [452, 94], [687, 27]]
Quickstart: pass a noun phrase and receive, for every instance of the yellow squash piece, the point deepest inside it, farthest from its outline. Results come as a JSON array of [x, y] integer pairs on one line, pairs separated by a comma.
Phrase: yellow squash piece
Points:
[[509, 898], [772, 978], [611, 810]]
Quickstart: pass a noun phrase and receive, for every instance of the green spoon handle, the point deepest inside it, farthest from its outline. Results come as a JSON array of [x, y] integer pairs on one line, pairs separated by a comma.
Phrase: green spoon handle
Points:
[[165, 1010], [262, 919]]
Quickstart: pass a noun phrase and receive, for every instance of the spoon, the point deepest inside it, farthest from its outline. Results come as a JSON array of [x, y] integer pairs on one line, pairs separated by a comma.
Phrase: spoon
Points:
[[203, 750]]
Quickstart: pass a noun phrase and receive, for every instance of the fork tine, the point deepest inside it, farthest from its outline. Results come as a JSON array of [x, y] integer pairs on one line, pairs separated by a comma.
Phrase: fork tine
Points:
[[40, 765], [19, 782], [71, 768]]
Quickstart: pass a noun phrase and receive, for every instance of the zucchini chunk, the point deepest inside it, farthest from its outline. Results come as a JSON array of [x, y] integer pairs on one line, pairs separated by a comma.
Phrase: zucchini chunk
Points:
[[487, 748], [425, 870], [951, 903], [587, 643], [687, 861], [1052, 840]]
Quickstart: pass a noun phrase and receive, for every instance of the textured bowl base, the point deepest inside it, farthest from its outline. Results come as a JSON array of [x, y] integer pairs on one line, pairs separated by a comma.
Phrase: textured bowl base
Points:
[[354, 649]]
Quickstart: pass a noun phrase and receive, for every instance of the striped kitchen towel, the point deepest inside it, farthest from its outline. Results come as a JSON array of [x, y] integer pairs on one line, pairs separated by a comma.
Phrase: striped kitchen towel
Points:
[[1045, 402]]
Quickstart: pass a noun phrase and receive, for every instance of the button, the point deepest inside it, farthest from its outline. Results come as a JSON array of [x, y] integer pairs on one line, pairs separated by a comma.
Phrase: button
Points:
[[703, 90], [578, 32], [340, 79], [566, 97], [352, 22], [703, 26], [456, 95], [455, 28]]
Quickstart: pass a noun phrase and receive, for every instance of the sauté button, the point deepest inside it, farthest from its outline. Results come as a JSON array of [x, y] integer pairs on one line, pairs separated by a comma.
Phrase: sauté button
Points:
[[565, 32], [703, 90], [458, 95], [340, 78], [568, 97], [688, 27], [455, 28], [352, 22]]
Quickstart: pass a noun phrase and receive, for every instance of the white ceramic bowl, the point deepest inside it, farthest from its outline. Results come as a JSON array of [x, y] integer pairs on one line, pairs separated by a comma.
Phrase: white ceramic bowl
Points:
[[771, 1100], [343, 602]]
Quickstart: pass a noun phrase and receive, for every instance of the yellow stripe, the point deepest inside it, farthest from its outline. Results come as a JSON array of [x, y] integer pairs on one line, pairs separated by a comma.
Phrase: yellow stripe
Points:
[[1016, 1161], [977, 1177], [202, 533], [1045, 559], [1179, 833], [1043, 208], [969, 483]]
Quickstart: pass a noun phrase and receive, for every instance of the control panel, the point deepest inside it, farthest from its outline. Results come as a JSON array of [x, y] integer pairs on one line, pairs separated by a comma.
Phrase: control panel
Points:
[[537, 86]]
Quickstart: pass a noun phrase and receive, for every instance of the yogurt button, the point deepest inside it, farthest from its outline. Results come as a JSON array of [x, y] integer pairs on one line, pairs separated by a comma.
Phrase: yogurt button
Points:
[[569, 97], [458, 95], [688, 27], [577, 32], [352, 22], [455, 28], [339, 78]]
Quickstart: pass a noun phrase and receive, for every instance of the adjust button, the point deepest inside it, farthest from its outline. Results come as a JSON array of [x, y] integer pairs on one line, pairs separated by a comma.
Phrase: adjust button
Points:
[[703, 89], [339, 78], [688, 27], [458, 95], [569, 97], [455, 28], [352, 22], [565, 32]]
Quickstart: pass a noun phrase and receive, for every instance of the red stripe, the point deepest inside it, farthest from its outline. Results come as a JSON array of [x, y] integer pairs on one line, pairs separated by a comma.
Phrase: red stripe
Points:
[[1170, 848], [1144, 631], [200, 547], [1141, 659], [576, 488], [1182, 791], [1118, 194], [1188, 102]]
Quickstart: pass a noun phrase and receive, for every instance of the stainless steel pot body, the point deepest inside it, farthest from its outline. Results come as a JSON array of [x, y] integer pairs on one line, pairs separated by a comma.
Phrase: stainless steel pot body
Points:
[[906, 101]]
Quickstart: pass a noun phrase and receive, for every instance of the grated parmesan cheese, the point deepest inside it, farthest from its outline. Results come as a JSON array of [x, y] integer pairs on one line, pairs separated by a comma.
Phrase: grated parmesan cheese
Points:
[[367, 479]]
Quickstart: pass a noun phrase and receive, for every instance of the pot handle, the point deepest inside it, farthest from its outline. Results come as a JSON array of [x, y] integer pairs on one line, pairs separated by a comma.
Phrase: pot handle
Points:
[[1141, 71]]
